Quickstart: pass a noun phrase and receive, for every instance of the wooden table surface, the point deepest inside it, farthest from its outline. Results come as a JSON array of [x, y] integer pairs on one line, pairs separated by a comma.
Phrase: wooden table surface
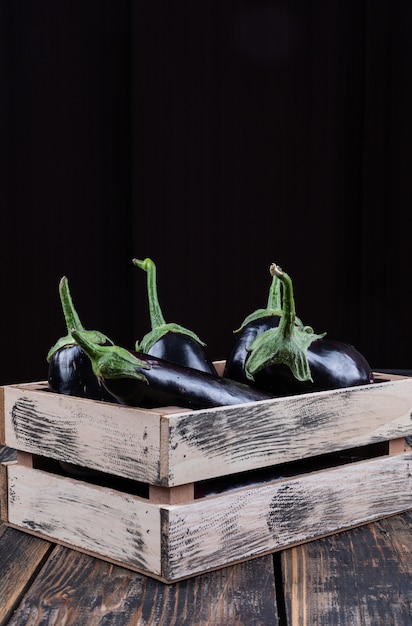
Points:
[[356, 577]]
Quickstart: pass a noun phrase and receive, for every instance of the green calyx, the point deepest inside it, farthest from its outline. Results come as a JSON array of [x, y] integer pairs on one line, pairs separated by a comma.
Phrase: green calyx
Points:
[[110, 361], [157, 321], [72, 322], [287, 343]]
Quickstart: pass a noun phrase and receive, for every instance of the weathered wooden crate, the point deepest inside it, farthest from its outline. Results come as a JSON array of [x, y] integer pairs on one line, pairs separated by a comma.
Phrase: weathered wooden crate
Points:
[[172, 493]]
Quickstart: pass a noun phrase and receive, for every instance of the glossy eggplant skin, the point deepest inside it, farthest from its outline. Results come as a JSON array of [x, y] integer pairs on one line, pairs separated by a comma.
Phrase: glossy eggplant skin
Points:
[[333, 365], [307, 361], [235, 363], [182, 350], [70, 373], [169, 384], [170, 341]]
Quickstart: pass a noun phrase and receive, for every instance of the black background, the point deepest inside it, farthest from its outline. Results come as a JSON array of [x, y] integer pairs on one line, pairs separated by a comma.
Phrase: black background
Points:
[[214, 137]]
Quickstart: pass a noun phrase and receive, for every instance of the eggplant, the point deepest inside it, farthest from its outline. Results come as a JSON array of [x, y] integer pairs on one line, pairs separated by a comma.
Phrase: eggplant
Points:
[[333, 365], [253, 325], [291, 358], [138, 379], [69, 369], [235, 362], [169, 341]]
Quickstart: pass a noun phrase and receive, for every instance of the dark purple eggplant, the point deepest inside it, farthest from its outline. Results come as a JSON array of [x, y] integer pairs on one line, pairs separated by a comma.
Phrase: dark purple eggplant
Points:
[[253, 325], [333, 365], [169, 341], [291, 358], [138, 379], [69, 370]]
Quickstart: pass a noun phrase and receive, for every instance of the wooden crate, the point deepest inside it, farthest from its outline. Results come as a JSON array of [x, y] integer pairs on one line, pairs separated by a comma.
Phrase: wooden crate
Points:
[[172, 493]]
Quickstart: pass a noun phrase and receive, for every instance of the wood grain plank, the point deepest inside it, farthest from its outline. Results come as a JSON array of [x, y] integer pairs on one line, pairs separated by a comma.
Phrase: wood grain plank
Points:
[[20, 556], [3, 527], [217, 442], [170, 449], [241, 523], [3, 493], [177, 541], [361, 576], [120, 526], [79, 590], [107, 437]]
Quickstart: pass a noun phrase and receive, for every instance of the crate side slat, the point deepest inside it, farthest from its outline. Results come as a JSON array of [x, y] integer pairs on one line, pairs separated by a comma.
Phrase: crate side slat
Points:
[[114, 439], [216, 531], [119, 526], [170, 449], [222, 441]]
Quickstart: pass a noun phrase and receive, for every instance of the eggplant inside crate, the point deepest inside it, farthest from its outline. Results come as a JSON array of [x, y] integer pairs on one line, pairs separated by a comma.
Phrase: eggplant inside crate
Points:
[[173, 493]]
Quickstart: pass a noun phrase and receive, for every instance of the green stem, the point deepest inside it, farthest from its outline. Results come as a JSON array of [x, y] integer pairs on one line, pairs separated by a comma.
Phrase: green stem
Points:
[[156, 315], [72, 323], [69, 312], [286, 344], [287, 320], [275, 296], [274, 304], [110, 362], [159, 327]]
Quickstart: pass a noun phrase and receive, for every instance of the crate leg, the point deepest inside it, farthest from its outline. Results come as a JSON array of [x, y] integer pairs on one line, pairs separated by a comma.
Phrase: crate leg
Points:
[[398, 446], [24, 458], [171, 495]]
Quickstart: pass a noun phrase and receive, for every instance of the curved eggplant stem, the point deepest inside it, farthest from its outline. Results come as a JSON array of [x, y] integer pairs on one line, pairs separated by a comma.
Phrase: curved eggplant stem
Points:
[[288, 318], [70, 313], [155, 311], [72, 323], [286, 344], [157, 321], [275, 295]]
